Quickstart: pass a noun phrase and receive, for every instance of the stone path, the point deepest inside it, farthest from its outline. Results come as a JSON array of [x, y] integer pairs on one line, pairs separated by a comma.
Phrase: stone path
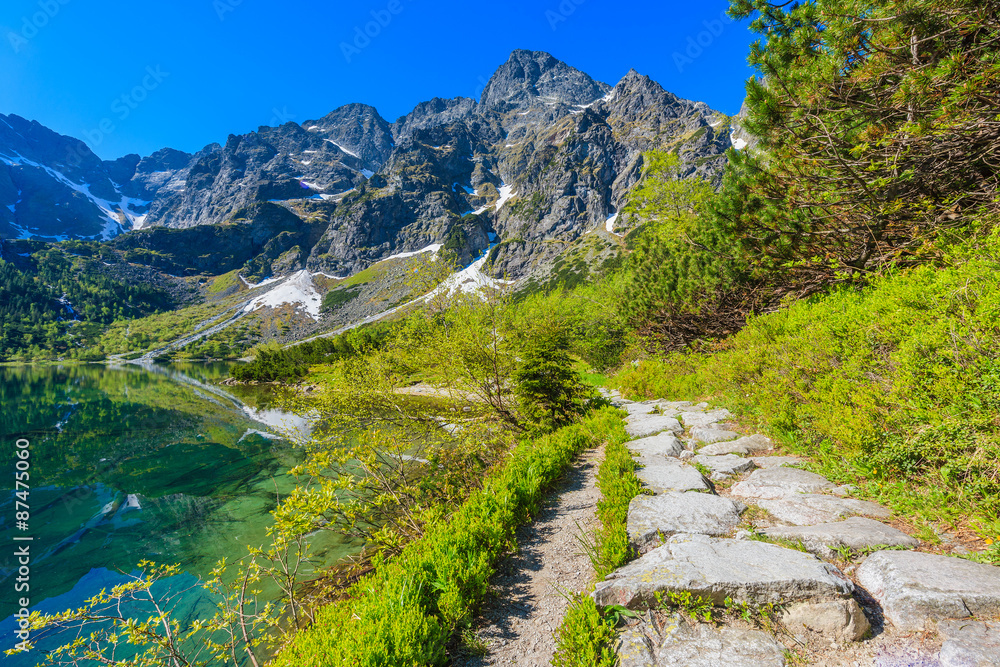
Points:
[[519, 621], [692, 540]]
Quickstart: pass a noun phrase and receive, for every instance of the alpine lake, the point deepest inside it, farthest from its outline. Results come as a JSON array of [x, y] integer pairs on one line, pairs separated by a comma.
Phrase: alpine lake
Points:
[[138, 463]]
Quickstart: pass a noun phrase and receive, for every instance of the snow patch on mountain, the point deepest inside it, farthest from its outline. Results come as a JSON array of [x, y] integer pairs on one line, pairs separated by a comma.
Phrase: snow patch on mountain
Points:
[[297, 290]]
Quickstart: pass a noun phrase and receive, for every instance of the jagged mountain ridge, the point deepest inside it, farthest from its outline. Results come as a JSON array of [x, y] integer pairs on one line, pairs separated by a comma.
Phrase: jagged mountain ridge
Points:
[[545, 156]]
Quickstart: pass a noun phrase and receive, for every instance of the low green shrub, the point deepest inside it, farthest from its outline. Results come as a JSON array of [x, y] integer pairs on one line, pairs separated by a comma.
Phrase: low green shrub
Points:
[[618, 484], [894, 388], [408, 610], [585, 638]]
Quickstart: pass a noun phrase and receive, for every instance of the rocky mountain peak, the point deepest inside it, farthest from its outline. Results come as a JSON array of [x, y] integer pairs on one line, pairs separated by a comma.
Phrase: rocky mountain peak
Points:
[[358, 130], [530, 78]]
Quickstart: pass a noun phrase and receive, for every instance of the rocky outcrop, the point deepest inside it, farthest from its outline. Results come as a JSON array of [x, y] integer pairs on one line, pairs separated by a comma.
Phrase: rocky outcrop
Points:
[[544, 157]]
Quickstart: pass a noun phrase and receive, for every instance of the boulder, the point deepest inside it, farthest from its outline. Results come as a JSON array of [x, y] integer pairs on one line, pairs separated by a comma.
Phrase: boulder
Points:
[[918, 589], [664, 475], [694, 419], [778, 482], [726, 465], [716, 568], [688, 644], [675, 512], [856, 533], [708, 434], [664, 444], [969, 643], [750, 444], [642, 426], [808, 509]]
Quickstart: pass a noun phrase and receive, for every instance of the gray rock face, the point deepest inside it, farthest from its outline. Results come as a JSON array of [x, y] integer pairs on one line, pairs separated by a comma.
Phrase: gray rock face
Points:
[[918, 589], [686, 644], [856, 533], [696, 419], [726, 465], [969, 643], [770, 483], [671, 513], [807, 509], [708, 435], [664, 444], [662, 475], [643, 426], [751, 444], [532, 76], [745, 570]]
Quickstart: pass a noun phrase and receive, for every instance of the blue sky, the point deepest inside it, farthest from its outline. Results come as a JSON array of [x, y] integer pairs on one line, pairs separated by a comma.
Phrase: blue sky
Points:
[[133, 77]]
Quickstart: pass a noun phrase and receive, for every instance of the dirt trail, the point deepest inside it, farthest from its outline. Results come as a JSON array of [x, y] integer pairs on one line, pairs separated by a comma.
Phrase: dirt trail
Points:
[[519, 621]]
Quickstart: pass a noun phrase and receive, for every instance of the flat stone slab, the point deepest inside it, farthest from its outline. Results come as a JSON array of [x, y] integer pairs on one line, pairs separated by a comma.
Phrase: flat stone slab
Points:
[[674, 512], [638, 408], [918, 589], [708, 435], [749, 444], [778, 482], [714, 568], [664, 444], [693, 419], [809, 509], [855, 533], [728, 464], [969, 643], [663, 475], [643, 426], [774, 461], [688, 644]]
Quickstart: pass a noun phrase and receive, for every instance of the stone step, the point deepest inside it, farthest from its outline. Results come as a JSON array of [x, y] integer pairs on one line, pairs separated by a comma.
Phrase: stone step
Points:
[[856, 533], [664, 444], [773, 461], [778, 482], [687, 644], [710, 434], [969, 643], [693, 419], [662, 475], [649, 517], [727, 464], [918, 589], [744, 570], [745, 446], [810, 509], [643, 426]]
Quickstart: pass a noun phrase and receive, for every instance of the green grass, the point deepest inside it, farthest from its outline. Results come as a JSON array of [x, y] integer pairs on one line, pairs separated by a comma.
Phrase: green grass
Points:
[[411, 608], [586, 637], [894, 388]]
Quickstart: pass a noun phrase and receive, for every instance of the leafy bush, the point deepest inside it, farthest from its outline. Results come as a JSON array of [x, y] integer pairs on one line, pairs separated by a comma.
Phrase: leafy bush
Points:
[[408, 609], [585, 638], [894, 387]]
